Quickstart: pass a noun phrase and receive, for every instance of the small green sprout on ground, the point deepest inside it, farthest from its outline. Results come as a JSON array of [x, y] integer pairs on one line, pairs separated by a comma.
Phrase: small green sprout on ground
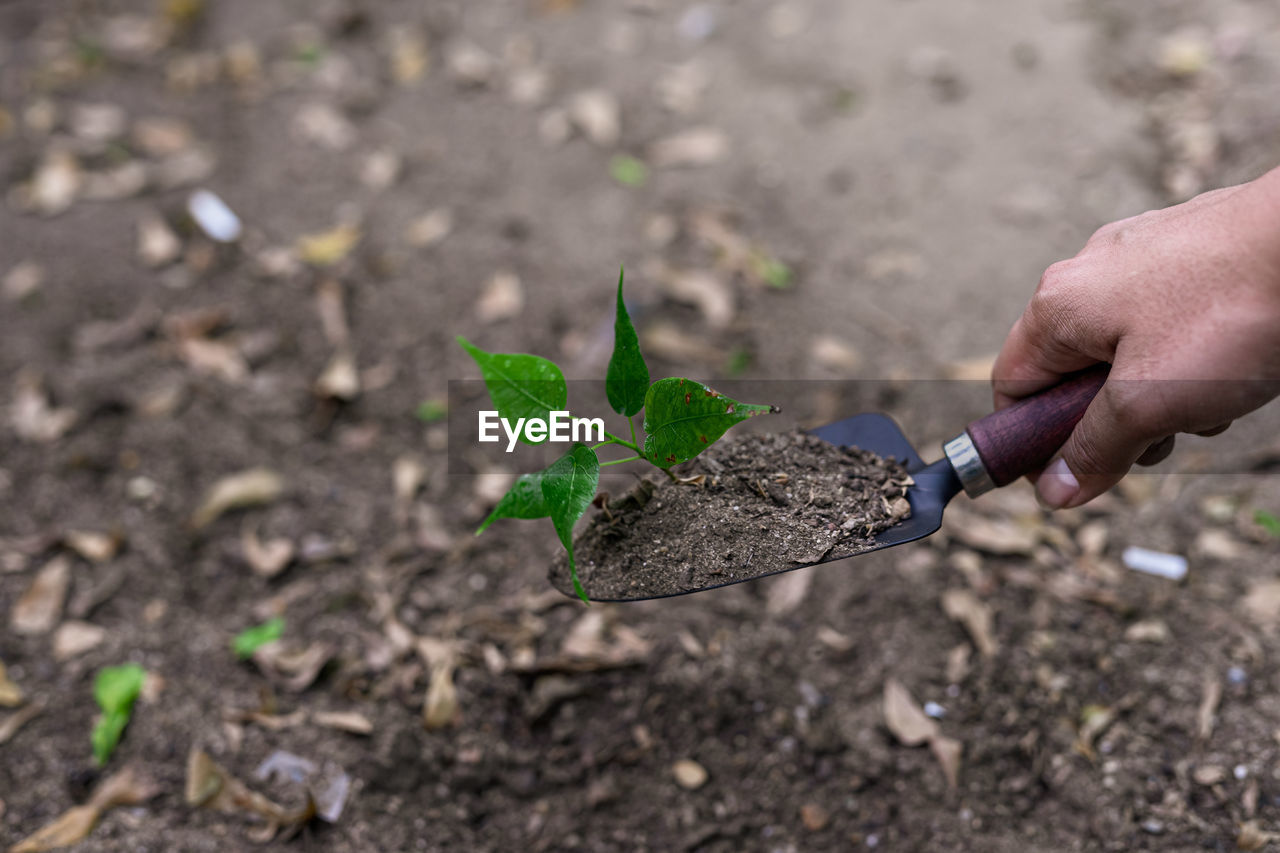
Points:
[[628, 171], [430, 411], [682, 418], [115, 689], [1267, 521], [250, 640]]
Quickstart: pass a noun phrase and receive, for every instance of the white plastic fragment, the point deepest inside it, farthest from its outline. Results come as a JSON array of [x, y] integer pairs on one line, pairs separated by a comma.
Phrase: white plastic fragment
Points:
[[214, 217], [1169, 566]]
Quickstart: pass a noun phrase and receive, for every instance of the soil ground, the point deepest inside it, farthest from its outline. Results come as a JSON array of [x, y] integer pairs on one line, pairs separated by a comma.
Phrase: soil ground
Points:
[[887, 182], [750, 506]]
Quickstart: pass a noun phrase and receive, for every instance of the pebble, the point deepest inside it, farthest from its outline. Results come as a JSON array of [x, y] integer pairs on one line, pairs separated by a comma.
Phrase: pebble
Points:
[[689, 774], [933, 709]]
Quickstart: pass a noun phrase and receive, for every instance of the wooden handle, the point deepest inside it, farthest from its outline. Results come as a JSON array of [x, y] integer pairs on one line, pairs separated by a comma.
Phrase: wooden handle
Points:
[[1017, 440]]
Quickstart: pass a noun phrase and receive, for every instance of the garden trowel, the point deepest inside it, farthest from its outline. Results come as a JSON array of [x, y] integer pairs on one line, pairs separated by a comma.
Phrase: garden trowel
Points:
[[991, 452]]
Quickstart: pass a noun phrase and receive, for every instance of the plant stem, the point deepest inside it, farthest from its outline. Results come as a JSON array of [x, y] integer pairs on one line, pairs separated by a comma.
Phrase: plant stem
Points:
[[615, 440], [620, 461]]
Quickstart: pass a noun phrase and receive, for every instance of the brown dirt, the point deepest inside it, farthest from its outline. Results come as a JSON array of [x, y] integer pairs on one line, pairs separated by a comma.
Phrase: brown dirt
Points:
[[765, 504], [915, 233]]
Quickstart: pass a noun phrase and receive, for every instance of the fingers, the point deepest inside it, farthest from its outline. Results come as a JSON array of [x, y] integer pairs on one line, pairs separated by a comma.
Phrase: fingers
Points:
[[1117, 429], [1218, 430], [1066, 327], [1157, 452]]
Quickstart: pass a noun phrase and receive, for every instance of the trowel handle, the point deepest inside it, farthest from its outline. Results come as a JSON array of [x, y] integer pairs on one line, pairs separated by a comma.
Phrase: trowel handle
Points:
[[998, 449]]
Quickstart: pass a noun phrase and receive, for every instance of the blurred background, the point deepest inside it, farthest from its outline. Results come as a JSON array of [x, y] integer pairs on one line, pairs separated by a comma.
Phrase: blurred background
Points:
[[237, 240]]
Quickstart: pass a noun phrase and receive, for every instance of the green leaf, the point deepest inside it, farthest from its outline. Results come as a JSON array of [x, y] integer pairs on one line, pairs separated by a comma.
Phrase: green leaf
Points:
[[250, 640], [117, 687], [775, 273], [1267, 521], [115, 690], [628, 171], [430, 411], [105, 736], [627, 378], [682, 418], [568, 487], [521, 386], [523, 500]]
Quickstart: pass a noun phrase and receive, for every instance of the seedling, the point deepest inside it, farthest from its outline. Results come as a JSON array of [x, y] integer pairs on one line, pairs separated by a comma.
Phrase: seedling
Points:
[[250, 640], [682, 418], [115, 689], [1267, 521]]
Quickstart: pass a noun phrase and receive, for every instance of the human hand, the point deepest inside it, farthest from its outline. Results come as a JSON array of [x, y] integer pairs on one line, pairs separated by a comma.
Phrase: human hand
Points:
[[1184, 303]]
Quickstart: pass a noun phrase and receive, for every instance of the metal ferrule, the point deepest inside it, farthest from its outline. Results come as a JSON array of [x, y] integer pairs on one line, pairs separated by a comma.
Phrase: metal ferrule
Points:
[[965, 460]]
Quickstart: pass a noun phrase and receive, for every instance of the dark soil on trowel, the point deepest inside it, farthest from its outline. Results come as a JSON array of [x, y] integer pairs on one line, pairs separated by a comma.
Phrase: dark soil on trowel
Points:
[[757, 505]]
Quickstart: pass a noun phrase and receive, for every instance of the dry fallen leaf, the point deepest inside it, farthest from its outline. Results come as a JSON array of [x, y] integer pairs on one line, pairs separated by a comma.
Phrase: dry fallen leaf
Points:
[[407, 476], [38, 610], [55, 184], [699, 146], [210, 786], [74, 638], [1207, 713], [784, 594], [267, 559], [1253, 837], [597, 114], [10, 693], [128, 787], [32, 415], [158, 245], [345, 721], [294, 669], [1094, 720], [326, 248], [469, 64], [905, 719], [992, 536], [948, 751], [670, 342], [976, 369], [407, 55], [10, 725], [93, 546], [502, 299], [712, 296], [911, 726], [835, 354], [214, 358], [440, 708], [323, 125], [24, 279], [429, 229], [1262, 603], [253, 487], [1147, 631], [340, 379], [160, 137], [965, 607]]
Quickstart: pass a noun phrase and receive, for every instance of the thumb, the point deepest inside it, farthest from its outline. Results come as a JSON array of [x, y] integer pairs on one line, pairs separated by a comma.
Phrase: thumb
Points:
[[1117, 428]]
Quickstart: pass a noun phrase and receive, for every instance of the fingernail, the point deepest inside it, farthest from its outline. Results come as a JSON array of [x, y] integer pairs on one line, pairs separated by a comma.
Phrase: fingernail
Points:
[[1057, 486]]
